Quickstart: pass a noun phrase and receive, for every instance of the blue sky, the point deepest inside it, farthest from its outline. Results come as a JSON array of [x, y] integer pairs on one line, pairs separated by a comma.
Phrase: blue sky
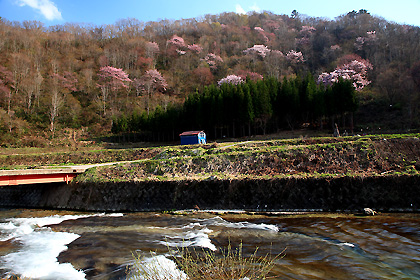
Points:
[[98, 12]]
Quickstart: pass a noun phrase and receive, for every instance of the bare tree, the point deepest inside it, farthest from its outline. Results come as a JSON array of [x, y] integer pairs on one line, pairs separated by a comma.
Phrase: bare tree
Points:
[[60, 84], [6, 88]]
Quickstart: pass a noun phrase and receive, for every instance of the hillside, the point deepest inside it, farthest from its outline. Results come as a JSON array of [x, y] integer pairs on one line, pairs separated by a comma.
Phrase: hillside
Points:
[[77, 81]]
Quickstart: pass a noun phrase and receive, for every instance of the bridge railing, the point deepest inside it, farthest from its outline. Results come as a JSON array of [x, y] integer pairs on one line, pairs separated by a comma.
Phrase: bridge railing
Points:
[[37, 176]]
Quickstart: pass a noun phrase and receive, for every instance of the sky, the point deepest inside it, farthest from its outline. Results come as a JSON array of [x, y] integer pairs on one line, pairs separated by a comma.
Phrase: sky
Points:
[[99, 12]]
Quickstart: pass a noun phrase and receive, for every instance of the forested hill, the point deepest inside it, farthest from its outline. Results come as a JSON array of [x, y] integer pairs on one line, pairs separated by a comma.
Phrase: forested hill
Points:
[[136, 76]]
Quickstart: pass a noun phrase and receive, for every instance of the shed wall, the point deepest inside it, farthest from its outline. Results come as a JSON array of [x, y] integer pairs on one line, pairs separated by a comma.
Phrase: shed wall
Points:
[[189, 139]]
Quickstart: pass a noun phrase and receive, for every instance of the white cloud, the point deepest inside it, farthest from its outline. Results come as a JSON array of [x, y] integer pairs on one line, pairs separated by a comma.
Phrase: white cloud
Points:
[[46, 7], [255, 8], [239, 9]]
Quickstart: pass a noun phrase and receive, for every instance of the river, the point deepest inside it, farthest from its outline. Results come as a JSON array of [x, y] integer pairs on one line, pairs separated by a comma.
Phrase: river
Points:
[[42, 244]]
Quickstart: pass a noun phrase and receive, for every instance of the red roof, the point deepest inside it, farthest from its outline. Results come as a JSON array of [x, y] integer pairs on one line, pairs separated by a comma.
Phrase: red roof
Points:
[[190, 133]]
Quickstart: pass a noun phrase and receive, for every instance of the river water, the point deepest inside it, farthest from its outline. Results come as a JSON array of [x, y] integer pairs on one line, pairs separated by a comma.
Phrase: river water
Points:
[[65, 245]]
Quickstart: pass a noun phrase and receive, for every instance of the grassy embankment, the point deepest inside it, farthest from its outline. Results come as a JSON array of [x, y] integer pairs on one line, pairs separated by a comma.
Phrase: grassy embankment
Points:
[[376, 155]]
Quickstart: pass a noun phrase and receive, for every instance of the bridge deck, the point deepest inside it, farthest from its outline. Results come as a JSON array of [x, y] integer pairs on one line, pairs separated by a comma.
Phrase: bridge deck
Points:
[[36, 176]]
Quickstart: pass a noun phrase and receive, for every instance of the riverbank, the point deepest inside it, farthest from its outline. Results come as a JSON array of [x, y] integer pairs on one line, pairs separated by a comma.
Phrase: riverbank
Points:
[[385, 193], [315, 174], [293, 158]]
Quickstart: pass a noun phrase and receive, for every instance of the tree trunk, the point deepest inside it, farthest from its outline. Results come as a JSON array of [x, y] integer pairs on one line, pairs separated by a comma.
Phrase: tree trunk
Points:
[[233, 129]]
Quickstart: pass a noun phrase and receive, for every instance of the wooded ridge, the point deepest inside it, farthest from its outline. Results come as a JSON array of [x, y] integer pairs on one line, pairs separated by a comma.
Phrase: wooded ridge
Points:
[[230, 74]]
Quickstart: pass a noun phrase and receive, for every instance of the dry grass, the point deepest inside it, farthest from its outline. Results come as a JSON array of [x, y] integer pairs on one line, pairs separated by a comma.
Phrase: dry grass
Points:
[[203, 264]]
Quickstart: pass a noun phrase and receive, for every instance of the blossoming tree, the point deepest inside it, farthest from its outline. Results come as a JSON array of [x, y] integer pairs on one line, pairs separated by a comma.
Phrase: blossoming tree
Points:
[[150, 82], [231, 79], [262, 33], [367, 40], [305, 33], [111, 80], [259, 50], [152, 48], [213, 60], [178, 43], [295, 57], [352, 67], [195, 48]]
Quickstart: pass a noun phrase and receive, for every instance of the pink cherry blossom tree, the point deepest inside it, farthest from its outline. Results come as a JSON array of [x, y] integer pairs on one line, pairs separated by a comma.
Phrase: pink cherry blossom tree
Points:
[[152, 48], [231, 79], [178, 43], [335, 47], [367, 40], [295, 57], [195, 48], [111, 80], [259, 29], [67, 81], [213, 60], [150, 82], [307, 30], [259, 50], [253, 76], [262, 33], [305, 35], [355, 70]]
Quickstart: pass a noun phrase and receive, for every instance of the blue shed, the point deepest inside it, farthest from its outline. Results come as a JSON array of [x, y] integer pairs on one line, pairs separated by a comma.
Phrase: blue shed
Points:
[[193, 137]]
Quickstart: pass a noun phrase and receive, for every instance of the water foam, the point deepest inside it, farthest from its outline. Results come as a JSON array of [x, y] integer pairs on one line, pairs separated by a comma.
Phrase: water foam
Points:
[[16, 227], [157, 267], [347, 244], [217, 221], [196, 233], [37, 257], [195, 238]]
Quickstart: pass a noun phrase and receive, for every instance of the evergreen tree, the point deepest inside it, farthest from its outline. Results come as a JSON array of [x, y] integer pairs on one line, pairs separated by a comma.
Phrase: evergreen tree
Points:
[[262, 105], [247, 116]]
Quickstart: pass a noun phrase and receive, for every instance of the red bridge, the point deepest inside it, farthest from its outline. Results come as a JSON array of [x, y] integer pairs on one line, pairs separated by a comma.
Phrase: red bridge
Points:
[[36, 176]]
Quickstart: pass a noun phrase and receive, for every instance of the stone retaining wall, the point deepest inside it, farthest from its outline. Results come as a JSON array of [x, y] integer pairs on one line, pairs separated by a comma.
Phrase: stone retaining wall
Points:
[[387, 193]]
